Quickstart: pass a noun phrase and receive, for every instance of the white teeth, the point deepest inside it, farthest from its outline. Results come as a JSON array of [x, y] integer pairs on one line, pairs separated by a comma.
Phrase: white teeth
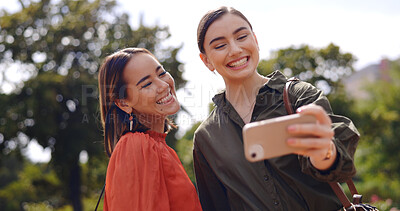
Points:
[[238, 63], [165, 99]]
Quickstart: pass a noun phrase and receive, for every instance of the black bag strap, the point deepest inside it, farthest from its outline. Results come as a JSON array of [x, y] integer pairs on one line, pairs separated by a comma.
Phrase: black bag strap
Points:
[[336, 187], [101, 194]]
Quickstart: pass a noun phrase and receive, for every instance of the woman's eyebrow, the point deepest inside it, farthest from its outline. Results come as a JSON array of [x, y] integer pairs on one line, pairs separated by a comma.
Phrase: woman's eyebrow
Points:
[[158, 68], [143, 79], [215, 39], [234, 32], [148, 76], [239, 29]]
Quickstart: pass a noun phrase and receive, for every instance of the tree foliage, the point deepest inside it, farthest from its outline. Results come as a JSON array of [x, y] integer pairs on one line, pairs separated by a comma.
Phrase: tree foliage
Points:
[[185, 151], [322, 67], [34, 183], [58, 47], [380, 129]]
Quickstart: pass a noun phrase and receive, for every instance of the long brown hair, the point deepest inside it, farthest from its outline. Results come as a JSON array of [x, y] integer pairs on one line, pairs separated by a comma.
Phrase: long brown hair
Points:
[[112, 87], [212, 16]]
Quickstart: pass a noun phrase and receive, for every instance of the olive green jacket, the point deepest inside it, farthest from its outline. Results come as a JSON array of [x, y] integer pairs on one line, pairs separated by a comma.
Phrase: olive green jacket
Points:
[[227, 181]]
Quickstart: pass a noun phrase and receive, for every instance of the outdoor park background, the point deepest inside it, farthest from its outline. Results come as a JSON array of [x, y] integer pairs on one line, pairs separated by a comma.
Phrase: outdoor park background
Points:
[[51, 152]]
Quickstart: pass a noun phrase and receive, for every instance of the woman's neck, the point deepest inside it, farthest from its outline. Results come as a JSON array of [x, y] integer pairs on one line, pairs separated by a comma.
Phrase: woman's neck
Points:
[[244, 92], [155, 123]]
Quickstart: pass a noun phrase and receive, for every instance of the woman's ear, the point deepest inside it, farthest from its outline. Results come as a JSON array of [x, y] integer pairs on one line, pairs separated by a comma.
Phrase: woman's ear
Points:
[[121, 103], [205, 60]]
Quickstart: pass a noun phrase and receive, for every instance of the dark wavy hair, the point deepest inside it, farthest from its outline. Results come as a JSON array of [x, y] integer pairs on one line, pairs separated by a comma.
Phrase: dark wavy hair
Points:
[[212, 16], [112, 87]]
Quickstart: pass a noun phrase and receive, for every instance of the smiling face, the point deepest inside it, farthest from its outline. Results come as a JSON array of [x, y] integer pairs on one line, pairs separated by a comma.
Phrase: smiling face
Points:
[[231, 48], [150, 89]]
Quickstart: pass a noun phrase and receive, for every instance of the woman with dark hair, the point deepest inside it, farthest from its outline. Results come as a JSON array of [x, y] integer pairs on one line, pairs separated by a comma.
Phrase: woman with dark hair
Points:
[[136, 96], [299, 181]]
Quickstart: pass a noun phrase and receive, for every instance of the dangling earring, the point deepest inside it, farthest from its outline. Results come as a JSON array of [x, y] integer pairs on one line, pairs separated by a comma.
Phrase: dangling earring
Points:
[[131, 121]]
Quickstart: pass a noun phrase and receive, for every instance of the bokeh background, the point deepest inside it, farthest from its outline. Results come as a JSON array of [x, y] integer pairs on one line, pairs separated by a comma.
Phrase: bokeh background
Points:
[[51, 150]]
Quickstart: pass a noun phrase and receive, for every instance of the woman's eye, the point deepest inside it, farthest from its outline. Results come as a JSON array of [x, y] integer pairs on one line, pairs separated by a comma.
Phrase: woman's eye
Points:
[[163, 73], [146, 85], [242, 37], [219, 46]]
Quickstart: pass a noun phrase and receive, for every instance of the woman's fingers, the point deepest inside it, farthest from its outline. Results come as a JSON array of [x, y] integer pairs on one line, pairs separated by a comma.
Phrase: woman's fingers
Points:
[[322, 129], [311, 130], [311, 147], [317, 111], [315, 143], [313, 140]]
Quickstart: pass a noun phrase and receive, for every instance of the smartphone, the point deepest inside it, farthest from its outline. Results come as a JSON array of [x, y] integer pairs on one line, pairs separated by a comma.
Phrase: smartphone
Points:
[[267, 138]]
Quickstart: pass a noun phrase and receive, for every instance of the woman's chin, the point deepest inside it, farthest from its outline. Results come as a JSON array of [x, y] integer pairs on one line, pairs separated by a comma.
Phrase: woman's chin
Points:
[[171, 109], [175, 109]]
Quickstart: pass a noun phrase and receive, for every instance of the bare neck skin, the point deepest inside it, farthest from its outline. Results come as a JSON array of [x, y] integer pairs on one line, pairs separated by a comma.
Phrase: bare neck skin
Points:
[[156, 123], [242, 94]]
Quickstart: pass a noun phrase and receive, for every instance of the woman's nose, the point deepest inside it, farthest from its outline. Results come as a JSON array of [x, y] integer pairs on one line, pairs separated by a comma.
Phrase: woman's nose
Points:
[[234, 49], [162, 86]]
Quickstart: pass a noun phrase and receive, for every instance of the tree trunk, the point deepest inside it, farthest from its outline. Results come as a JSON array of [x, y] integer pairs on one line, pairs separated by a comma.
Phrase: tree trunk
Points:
[[75, 186]]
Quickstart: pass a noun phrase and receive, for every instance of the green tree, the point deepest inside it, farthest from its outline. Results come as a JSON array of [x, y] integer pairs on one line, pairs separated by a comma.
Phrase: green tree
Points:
[[59, 46], [377, 159], [184, 149], [34, 183], [322, 67]]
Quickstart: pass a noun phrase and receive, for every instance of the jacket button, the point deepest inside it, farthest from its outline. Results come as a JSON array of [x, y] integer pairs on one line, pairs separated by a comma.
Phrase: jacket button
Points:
[[266, 178], [276, 202]]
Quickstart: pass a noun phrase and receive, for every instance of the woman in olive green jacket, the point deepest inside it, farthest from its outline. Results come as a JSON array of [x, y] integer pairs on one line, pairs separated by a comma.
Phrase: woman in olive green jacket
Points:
[[225, 179]]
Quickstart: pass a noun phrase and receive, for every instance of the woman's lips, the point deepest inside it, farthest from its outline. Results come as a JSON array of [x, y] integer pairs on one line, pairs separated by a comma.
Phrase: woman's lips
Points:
[[238, 63], [165, 99]]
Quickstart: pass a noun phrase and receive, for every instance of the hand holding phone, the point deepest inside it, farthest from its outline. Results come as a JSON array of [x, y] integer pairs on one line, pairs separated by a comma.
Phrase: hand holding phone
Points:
[[267, 138]]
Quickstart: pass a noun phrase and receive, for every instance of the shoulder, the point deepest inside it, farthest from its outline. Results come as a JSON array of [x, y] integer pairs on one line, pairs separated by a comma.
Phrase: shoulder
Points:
[[209, 122], [136, 138], [133, 144], [135, 135], [277, 80], [303, 93], [299, 87], [207, 127]]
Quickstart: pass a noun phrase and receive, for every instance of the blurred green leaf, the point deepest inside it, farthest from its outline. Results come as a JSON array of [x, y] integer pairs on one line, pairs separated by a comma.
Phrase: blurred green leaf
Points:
[[58, 46]]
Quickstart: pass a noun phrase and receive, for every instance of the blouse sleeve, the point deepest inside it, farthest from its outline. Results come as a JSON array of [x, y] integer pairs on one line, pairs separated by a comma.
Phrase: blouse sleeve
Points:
[[345, 139], [134, 176]]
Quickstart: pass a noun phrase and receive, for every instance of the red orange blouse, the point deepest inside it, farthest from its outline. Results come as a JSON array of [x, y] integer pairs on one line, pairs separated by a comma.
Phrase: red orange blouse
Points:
[[144, 173]]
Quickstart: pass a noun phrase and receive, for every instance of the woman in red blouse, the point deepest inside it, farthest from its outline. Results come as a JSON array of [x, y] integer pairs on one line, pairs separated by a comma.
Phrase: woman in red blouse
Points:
[[136, 96]]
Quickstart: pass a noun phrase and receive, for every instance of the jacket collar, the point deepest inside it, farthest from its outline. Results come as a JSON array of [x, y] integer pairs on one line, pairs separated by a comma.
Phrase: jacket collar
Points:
[[276, 81]]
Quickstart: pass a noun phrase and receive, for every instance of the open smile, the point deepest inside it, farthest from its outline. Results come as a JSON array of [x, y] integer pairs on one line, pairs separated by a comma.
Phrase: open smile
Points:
[[238, 63], [165, 99]]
